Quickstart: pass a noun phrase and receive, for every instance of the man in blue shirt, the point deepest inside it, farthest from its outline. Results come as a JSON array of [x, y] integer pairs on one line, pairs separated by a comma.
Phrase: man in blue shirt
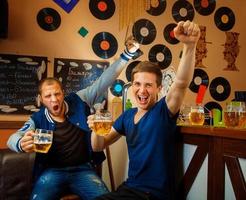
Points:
[[149, 128], [69, 162]]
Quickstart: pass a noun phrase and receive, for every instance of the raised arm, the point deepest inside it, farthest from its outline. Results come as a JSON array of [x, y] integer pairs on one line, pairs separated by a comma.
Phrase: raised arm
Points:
[[188, 33], [91, 94]]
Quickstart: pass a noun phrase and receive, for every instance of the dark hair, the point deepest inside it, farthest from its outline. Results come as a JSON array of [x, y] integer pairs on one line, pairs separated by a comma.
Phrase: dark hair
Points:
[[147, 66], [48, 81]]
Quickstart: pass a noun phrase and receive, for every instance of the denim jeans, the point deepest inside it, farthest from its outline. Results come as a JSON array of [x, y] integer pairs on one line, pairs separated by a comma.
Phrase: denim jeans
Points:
[[81, 180]]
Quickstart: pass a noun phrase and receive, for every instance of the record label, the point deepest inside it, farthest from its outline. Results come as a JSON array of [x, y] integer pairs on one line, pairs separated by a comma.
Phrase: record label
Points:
[[224, 19], [200, 77], [220, 89], [161, 54], [129, 69], [104, 45], [144, 31], [169, 34], [205, 7], [117, 87], [182, 11], [48, 19], [157, 8], [102, 9]]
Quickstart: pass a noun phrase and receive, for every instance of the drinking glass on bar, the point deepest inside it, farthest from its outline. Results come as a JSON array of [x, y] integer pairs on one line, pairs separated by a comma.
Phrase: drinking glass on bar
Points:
[[102, 122], [235, 114], [42, 140], [196, 115]]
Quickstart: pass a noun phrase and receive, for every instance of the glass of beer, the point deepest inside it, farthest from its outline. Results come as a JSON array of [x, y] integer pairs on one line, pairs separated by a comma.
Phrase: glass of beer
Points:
[[235, 114], [196, 115], [102, 122], [42, 139]]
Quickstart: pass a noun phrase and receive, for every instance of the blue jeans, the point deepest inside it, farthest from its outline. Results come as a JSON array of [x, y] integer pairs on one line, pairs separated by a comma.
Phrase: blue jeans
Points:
[[80, 180]]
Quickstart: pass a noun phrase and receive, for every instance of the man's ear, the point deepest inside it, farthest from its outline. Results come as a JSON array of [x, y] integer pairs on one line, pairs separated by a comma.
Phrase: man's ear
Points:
[[38, 100]]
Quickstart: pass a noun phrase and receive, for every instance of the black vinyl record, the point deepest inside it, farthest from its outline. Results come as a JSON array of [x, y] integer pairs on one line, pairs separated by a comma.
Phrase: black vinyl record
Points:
[[200, 77], [220, 89], [211, 105], [182, 10], [208, 107], [117, 87], [104, 45], [129, 69], [157, 9], [224, 18], [169, 35], [205, 7], [48, 19], [144, 31], [161, 54], [102, 9]]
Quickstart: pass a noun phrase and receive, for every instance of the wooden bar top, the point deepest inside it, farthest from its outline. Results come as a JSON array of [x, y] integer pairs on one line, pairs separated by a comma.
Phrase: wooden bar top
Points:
[[198, 130], [235, 133]]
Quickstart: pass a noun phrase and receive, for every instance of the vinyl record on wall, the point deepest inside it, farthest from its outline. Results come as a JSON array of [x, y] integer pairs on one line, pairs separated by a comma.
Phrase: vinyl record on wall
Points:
[[205, 7], [200, 77], [129, 69], [144, 31], [104, 45], [209, 106], [157, 7], [169, 34], [48, 19], [220, 89], [224, 19], [161, 54], [182, 10], [117, 87], [102, 9]]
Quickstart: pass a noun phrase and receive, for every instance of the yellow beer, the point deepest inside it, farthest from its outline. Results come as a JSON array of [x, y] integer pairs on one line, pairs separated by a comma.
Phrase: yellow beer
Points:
[[197, 115], [196, 118], [42, 147], [42, 140], [102, 127]]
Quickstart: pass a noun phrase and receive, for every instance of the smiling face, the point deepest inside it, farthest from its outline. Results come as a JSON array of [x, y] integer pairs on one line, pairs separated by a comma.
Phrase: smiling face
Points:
[[52, 97], [146, 84], [145, 89]]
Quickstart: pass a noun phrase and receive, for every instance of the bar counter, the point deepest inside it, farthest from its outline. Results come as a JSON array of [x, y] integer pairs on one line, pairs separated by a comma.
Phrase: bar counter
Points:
[[224, 147]]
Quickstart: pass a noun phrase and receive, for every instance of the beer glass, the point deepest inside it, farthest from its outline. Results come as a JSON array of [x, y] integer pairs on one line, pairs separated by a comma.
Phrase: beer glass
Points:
[[102, 122], [42, 139], [196, 115], [235, 114]]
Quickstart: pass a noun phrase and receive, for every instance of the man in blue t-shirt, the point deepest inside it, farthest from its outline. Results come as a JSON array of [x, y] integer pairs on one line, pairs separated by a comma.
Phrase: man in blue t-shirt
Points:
[[149, 128]]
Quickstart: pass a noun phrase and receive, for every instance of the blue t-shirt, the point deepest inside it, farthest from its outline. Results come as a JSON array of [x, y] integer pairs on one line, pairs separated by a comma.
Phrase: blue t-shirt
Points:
[[151, 149]]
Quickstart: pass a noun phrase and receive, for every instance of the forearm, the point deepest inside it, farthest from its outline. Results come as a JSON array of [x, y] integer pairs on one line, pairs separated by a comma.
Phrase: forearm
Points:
[[186, 67], [97, 142], [95, 91], [14, 140]]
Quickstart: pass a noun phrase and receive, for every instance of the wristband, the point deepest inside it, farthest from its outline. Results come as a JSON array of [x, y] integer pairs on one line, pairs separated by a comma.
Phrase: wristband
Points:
[[126, 55]]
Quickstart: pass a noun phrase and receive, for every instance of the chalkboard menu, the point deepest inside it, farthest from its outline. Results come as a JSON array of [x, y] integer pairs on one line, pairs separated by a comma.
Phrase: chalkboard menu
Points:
[[78, 74], [19, 77]]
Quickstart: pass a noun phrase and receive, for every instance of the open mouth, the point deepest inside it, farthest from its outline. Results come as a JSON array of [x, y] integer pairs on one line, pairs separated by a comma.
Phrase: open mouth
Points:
[[143, 99], [55, 108]]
